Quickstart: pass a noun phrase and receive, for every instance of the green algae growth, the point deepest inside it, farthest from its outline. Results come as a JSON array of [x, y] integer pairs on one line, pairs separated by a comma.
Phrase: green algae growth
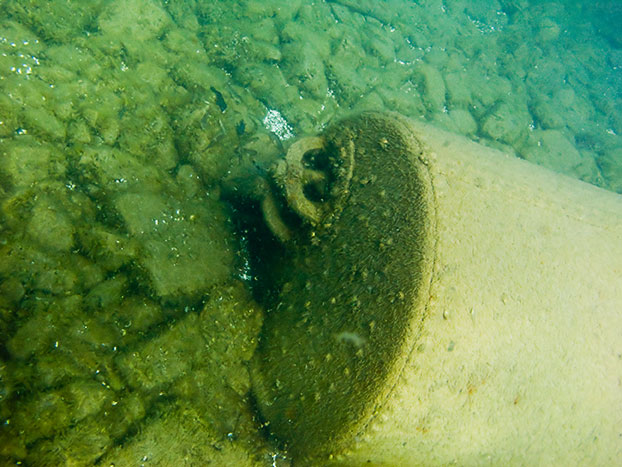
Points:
[[126, 312]]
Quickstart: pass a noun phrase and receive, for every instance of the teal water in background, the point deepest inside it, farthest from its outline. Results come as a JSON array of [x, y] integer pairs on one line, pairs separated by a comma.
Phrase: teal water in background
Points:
[[540, 79], [119, 118]]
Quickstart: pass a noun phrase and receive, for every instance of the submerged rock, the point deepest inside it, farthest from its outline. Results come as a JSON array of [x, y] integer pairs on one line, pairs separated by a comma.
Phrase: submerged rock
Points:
[[184, 246]]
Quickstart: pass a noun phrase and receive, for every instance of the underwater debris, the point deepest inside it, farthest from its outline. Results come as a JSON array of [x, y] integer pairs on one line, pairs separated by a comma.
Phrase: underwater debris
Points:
[[354, 208]]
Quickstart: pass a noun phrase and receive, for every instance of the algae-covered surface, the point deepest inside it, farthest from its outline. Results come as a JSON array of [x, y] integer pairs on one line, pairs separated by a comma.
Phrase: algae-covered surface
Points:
[[126, 312]]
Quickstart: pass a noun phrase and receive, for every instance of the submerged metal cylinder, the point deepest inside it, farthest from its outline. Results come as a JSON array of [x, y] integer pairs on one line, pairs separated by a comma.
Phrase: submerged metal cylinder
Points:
[[460, 306]]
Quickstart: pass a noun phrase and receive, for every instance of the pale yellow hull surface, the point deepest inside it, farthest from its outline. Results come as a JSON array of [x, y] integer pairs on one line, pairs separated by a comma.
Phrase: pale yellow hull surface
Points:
[[520, 357]]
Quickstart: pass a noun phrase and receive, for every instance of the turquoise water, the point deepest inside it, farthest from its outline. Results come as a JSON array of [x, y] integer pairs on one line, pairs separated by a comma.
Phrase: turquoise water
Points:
[[119, 269]]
